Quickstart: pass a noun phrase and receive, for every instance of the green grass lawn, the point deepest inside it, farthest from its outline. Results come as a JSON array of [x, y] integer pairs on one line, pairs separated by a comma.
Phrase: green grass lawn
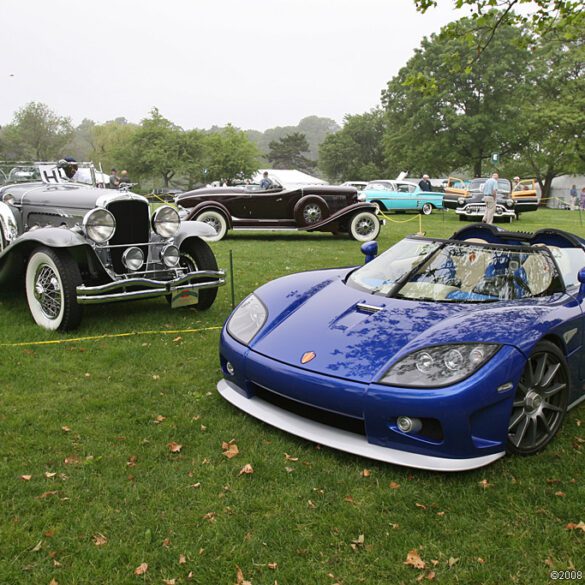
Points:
[[93, 422]]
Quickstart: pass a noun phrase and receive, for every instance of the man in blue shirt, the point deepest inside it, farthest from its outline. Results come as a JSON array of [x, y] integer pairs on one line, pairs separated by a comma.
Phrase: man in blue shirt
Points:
[[490, 192], [265, 183]]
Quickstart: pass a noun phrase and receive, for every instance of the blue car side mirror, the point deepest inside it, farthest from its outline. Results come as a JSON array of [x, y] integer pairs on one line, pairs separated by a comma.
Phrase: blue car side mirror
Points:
[[581, 277], [370, 251]]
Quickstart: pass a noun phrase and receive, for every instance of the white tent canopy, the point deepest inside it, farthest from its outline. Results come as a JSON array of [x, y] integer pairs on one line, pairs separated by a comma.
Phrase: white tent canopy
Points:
[[289, 178]]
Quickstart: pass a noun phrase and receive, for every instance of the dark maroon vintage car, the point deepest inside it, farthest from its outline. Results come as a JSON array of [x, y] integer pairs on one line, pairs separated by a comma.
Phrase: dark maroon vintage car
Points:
[[311, 208]]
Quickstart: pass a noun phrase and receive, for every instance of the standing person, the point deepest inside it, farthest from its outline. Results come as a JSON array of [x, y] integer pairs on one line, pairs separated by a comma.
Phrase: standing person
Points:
[[114, 181], [573, 197], [517, 185], [425, 183], [583, 198], [490, 192], [124, 178]]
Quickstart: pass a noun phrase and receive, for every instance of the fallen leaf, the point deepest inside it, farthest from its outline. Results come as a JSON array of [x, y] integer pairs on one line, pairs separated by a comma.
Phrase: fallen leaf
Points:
[[393, 485], [71, 460], [87, 375], [434, 562], [177, 339], [480, 560], [452, 561], [394, 525], [196, 485], [210, 516], [99, 539], [311, 504], [366, 473], [26, 477], [246, 470], [358, 542], [485, 484], [289, 469], [240, 577], [273, 566], [413, 559], [560, 494], [203, 428], [38, 546], [50, 475], [47, 494], [155, 377], [549, 563], [159, 419], [141, 569], [573, 526], [421, 506], [230, 449], [169, 581], [290, 457], [174, 447], [182, 559], [132, 461], [553, 481], [56, 563], [440, 514], [349, 499], [54, 582], [166, 543], [49, 533]]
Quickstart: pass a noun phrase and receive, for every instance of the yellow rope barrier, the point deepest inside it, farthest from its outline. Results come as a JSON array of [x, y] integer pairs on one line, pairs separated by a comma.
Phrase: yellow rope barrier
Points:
[[107, 336]]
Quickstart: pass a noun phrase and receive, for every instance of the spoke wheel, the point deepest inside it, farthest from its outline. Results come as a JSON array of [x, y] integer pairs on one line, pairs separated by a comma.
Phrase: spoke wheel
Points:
[[540, 402], [217, 221], [312, 213], [364, 226], [52, 277]]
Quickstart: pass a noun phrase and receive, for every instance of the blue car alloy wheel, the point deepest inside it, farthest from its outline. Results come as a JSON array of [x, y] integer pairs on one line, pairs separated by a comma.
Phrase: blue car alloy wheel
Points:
[[441, 354]]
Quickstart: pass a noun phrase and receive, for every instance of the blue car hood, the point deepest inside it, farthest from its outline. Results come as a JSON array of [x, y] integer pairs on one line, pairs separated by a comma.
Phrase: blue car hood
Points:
[[352, 343]]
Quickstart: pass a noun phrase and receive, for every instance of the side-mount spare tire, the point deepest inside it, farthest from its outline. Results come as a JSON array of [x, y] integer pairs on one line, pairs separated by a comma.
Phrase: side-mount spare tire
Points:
[[309, 210]]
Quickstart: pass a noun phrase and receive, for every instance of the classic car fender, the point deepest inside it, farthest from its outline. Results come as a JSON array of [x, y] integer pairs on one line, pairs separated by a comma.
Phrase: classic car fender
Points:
[[193, 229], [333, 221], [207, 205], [13, 257], [8, 224]]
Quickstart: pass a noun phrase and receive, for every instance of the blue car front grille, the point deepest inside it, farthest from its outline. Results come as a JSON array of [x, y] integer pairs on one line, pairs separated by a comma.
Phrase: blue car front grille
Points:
[[326, 417]]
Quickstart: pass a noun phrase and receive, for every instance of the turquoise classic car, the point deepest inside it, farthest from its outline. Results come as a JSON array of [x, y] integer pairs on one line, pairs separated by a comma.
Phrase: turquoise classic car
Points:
[[393, 195]]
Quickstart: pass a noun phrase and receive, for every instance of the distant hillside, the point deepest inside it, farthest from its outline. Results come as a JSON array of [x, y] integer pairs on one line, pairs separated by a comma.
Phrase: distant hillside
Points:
[[315, 129]]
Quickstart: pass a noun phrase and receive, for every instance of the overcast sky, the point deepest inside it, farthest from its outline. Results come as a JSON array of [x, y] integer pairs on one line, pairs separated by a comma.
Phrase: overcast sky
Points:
[[254, 63]]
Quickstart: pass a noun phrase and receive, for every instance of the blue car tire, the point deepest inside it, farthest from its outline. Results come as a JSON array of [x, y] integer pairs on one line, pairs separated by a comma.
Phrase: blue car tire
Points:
[[541, 400]]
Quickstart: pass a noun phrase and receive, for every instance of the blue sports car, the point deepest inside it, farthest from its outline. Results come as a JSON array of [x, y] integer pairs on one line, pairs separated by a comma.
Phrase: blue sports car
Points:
[[401, 196], [441, 354]]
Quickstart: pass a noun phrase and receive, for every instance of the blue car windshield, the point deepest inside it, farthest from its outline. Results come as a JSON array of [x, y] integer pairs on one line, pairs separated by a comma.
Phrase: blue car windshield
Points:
[[437, 271]]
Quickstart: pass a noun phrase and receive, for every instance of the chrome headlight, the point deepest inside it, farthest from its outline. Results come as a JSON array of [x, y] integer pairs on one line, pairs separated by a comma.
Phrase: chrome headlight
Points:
[[510, 202], [133, 258], [99, 225], [461, 201], [170, 256], [440, 365], [166, 221], [247, 319]]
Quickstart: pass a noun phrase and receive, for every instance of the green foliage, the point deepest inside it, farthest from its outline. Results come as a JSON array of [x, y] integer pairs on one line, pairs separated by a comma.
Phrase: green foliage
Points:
[[36, 133], [111, 144], [356, 151], [230, 155], [441, 116], [287, 153]]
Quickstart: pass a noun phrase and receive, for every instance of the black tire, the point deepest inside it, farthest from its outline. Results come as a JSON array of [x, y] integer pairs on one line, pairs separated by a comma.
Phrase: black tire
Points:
[[364, 226], [427, 209], [52, 277], [541, 400], [462, 217], [310, 210], [197, 255], [216, 220], [3, 241]]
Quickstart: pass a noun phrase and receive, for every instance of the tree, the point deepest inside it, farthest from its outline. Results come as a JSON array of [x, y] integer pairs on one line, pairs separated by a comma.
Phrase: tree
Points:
[[554, 117], [543, 16], [36, 133], [287, 153], [440, 117], [156, 148], [357, 150], [112, 144], [229, 155]]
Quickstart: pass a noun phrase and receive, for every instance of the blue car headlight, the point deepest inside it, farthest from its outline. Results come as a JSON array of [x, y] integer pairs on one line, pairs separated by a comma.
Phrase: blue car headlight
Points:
[[247, 319], [440, 365]]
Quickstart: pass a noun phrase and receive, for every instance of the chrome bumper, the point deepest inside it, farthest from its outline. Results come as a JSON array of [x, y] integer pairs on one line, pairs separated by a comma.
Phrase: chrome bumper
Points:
[[478, 210], [117, 290]]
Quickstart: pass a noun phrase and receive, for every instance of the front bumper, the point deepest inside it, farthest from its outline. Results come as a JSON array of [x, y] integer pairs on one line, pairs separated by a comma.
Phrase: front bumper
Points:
[[472, 415], [478, 210], [146, 288]]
